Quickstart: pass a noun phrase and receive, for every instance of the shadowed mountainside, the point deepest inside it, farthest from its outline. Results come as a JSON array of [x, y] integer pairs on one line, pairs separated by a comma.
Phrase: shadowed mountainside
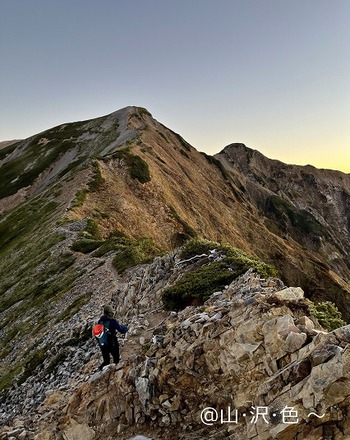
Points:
[[301, 204]]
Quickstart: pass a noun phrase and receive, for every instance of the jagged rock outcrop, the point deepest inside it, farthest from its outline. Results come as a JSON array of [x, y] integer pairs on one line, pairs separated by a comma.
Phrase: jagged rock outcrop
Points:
[[249, 346]]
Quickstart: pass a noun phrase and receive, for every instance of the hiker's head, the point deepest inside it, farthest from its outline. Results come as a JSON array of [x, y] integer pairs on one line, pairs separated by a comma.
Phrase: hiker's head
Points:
[[108, 311]]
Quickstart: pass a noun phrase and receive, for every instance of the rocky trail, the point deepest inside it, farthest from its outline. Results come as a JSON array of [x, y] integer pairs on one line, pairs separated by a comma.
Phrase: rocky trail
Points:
[[75, 356], [251, 344]]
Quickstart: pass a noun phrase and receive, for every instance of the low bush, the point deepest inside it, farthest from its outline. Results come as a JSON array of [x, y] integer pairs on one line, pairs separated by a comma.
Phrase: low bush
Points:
[[79, 198], [138, 168], [91, 229], [327, 314], [115, 242], [86, 245], [89, 239], [197, 286], [140, 252], [197, 246], [97, 179]]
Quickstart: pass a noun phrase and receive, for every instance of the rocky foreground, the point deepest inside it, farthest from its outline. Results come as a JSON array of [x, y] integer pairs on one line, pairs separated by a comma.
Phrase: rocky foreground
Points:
[[251, 353]]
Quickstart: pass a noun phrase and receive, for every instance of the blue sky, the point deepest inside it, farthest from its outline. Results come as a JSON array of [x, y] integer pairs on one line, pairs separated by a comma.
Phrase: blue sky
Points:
[[271, 74]]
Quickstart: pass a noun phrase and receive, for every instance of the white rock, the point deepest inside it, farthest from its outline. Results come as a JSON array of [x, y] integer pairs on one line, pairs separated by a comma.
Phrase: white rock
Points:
[[290, 294]]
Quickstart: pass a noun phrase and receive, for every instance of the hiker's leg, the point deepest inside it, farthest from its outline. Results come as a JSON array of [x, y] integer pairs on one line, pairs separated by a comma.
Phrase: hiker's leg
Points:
[[106, 358], [115, 350]]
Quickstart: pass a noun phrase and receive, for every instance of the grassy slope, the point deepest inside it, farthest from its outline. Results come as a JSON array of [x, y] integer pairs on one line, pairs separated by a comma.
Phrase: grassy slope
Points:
[[36, 268], [30, 276]]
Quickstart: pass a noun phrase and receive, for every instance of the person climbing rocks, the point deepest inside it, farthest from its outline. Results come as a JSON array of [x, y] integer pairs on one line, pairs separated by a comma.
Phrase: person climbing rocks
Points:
[[111, 346]]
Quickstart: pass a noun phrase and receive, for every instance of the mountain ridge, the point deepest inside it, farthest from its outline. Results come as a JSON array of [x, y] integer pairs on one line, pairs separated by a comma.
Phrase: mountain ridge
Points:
[[254, 151], [86, 206], [240, 204], [322, 194]]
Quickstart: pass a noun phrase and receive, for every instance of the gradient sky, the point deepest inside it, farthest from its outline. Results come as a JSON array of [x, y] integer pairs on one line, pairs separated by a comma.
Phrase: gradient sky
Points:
[[273, 74]]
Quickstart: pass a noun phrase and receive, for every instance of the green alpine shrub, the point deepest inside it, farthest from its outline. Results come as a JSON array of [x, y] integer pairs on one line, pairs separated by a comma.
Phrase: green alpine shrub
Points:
[[197, 286], [327, 314]]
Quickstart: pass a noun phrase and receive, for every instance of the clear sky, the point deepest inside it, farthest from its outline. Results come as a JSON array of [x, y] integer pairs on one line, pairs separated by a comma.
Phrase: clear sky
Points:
[[273, 74]]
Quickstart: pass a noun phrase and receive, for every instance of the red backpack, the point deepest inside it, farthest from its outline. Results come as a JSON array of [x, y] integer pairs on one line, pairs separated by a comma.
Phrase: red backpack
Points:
[[101, 333]]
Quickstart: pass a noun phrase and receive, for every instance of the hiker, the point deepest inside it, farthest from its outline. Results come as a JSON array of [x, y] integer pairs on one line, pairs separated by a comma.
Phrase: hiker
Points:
[[111, 345]]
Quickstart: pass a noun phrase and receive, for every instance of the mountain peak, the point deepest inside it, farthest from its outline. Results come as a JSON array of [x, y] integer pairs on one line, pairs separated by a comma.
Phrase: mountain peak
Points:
[[236, 145], [130, 110]]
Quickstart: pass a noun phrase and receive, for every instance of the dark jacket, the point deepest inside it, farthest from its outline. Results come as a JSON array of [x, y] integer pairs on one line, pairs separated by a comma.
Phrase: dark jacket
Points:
[[114, 325]]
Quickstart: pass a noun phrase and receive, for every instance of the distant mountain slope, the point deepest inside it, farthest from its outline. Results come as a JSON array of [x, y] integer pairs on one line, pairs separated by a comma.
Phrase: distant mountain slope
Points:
[[300, 203], [125, 188]]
